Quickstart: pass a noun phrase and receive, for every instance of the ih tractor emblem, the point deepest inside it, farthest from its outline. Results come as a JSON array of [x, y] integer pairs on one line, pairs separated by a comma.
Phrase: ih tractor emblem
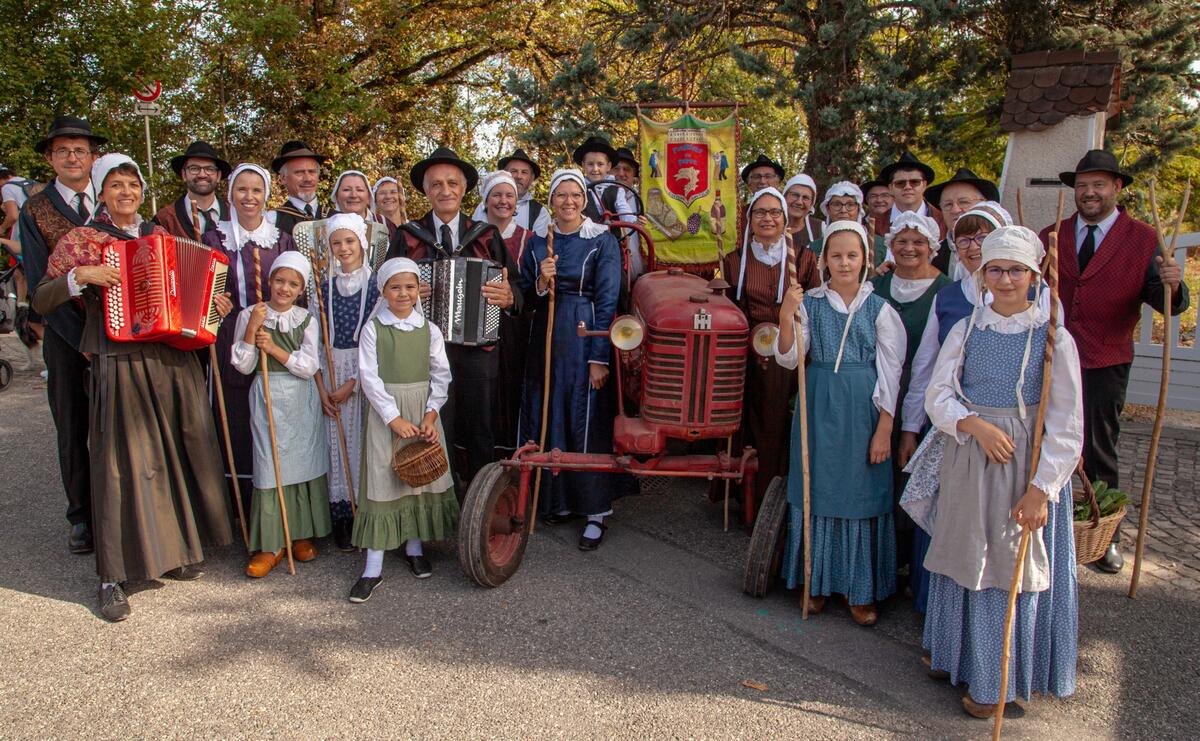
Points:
[[702, 320]]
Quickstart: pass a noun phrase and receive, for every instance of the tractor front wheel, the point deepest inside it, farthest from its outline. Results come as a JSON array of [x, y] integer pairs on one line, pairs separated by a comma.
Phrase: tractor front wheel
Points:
[[767, 541], [491, 534]]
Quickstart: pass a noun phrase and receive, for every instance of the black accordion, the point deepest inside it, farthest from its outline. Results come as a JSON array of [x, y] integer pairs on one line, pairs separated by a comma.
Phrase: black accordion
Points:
[[457, 305]]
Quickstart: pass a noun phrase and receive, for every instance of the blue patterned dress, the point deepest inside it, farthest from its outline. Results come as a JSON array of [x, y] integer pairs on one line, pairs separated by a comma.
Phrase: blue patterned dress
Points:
[[853, 534]]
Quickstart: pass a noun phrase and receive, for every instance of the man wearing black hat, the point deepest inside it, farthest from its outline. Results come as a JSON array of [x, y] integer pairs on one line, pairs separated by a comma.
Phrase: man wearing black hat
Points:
[[954, 198], [530, 214], [907, 179], [444, 232], [201, 169], [1108, 266], [877, 197], [628, 169], [299, 169], [69, 201], [763, 172]]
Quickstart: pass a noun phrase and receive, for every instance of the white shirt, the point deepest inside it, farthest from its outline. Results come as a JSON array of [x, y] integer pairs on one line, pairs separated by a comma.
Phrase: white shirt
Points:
[[303, 363], [1063, 440], [437, 230], [1103, 226], [906, 290], [13, 192], [890, 344], [70, 196], [922, 210], [521, 216], [300, 203], [214, 207], [368, 365]]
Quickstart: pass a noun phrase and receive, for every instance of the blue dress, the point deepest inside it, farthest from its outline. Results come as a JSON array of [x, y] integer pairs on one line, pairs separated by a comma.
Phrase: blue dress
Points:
[[853, 532], [587, 284], [964, 628]]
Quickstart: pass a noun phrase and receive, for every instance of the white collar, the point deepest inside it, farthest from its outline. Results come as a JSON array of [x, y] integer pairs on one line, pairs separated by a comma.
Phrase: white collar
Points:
[[769, 256], [1104, 225], [411, 322], [922, 210], [351, 283], [187, 205], [438, 224], [288, 320], [68, 194], [835, 298], [1034, 316], [508, 230], [588, 229], [266, 235], [300, 203]]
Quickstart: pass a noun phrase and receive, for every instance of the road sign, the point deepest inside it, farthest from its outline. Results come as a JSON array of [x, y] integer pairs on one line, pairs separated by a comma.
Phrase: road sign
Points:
[[148, 93], [142, 108]]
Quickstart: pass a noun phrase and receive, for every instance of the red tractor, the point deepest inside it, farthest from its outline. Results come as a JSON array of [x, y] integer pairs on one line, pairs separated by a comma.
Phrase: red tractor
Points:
[[682, 363]]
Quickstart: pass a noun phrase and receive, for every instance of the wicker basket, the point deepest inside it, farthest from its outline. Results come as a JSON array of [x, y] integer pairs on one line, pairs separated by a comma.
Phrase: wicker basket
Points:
[[419, 463], [1092, 537]]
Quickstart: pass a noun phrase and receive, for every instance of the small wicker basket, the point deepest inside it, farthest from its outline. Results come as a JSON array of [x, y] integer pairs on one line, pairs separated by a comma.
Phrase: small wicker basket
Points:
[[419, 463], [1092, 537]]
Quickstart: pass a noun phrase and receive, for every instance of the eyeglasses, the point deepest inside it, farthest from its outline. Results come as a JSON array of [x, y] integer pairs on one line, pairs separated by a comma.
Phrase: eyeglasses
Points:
[[1014, 274], [200, 170], [78, 153], [909, 183], [843, 206], [766, 213], [964, 243], [962, 203]]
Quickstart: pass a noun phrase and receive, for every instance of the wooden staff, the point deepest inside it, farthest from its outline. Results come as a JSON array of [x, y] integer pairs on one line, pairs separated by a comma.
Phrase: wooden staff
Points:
[[802, 410], [266, 375], [537, 477], [319, 267], [220, 392], [1021, 211], [1168, 257], [1034, 456]]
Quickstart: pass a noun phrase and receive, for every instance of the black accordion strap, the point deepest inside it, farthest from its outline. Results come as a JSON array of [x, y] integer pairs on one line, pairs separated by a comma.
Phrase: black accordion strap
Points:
[[416, 229]]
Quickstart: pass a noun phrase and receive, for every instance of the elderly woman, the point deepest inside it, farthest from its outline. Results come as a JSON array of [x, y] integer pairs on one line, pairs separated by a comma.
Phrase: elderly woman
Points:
[[800, 193], [499, 196], [247, 236], [586, 290], [759, 274], [157, 492], [352, 195], [389, 204], [844, 202]]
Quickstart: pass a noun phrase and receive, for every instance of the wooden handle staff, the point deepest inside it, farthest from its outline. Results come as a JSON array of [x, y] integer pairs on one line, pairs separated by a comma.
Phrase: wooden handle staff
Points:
[[215, 369], [1034, 456], [266, 379], [1168, 257], [537, 477], [802, 410], [319, 266]]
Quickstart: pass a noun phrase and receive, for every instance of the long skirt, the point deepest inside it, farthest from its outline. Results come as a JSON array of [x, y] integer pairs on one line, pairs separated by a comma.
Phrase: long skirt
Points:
[[353, 411], [158, 492], [856, 558], [307, 514], [766, 422]]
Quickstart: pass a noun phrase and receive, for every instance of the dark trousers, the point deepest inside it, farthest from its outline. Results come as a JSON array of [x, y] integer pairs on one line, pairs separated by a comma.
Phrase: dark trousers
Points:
[[1103, 400], [467, 414], [66, 390]]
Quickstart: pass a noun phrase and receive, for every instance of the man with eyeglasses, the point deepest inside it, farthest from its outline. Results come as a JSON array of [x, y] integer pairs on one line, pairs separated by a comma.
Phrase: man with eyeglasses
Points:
[[1108, 266], [763, 172], [877, 197], [69, 201], [201, 170], [907, 179], [954, 198]]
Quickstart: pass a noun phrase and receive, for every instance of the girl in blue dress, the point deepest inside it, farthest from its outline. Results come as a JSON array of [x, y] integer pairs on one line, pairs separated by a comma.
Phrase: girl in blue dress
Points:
[[984, 397], [586, 272], [855, 342]]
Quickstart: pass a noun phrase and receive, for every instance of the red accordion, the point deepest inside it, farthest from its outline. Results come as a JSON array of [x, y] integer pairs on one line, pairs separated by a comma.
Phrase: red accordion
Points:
[[166, 291]]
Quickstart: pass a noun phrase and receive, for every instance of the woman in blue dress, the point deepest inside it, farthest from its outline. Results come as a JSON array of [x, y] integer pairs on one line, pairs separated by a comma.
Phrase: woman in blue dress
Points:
[[856, 346], [984, 397], [585, 271]]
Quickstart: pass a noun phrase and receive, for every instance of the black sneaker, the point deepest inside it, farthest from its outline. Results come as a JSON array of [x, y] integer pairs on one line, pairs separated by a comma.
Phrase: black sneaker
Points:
[[114, 605], [184, 573], [420, 566], [364, 588], [341, 536]]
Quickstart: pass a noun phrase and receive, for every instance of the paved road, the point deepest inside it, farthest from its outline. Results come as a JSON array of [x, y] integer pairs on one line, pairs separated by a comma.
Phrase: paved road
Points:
[[648, 637]]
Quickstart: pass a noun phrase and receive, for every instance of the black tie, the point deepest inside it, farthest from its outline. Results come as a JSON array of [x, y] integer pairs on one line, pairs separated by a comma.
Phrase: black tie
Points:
[[308, 211], [447, 240], [210, 220], [1089, 247], [82, 208]]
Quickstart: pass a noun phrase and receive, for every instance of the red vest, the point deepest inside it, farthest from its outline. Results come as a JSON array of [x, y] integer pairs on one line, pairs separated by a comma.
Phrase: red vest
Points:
[[1102, 306]]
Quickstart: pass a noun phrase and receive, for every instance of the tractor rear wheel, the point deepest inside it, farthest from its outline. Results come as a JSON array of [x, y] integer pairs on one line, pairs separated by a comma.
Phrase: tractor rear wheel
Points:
[[765, 555], [491, 535]]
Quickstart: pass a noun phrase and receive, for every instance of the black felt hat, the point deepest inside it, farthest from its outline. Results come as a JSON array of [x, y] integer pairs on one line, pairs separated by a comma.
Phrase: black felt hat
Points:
[[520, 156], [875, 183], [906, 162], [594, 144], [990, 192], [625, 155], [762, 161], [294, 150], [200, 150], [1096, 160], [442, 156], [68, 126]]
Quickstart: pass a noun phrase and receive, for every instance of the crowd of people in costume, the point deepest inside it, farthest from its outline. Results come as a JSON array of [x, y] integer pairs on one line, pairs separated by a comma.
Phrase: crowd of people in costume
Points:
[[919, 308]]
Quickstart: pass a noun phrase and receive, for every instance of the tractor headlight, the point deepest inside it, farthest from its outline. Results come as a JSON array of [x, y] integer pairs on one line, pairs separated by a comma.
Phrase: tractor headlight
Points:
[[763, 339], [627, 333]]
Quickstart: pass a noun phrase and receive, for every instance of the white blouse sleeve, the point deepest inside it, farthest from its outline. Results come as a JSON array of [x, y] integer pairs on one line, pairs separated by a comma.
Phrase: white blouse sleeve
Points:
[[305, 362], [542, 225], [368, 376], [1063, 440], [439, 370], [788, 359], [890, 346], [941, 400], [244, 356], [913, 414]]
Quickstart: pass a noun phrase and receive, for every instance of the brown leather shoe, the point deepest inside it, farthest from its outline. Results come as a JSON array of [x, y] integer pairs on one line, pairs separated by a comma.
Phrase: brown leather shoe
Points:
[[261, 564], [303, 550], [935, 673], [815, 605], [864, 614], [978, 710]]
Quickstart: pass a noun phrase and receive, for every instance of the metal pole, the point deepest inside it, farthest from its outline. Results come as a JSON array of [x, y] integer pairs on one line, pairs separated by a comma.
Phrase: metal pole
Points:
[[150, 168]]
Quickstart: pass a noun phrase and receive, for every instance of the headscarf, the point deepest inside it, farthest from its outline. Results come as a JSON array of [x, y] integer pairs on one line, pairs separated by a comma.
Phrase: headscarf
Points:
[[1021, 245], [842, 189], [239, 235], [924, 225], [391, 269], [801, 179], [106, 163], [767, 191], [366, 182], [295, 261], [352, 223], [989, 211], [491, 180], [588, 229], [857, 228]]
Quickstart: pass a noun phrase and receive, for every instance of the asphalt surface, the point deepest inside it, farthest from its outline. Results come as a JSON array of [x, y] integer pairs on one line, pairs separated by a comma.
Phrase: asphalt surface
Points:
[[649, 637]]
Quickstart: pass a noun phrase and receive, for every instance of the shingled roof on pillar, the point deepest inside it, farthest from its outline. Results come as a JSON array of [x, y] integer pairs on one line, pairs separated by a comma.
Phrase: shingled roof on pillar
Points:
[[1045, 87]]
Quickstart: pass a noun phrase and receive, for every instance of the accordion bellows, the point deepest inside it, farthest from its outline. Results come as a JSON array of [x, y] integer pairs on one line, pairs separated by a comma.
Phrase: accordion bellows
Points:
[[457, 305], [166, 291]]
